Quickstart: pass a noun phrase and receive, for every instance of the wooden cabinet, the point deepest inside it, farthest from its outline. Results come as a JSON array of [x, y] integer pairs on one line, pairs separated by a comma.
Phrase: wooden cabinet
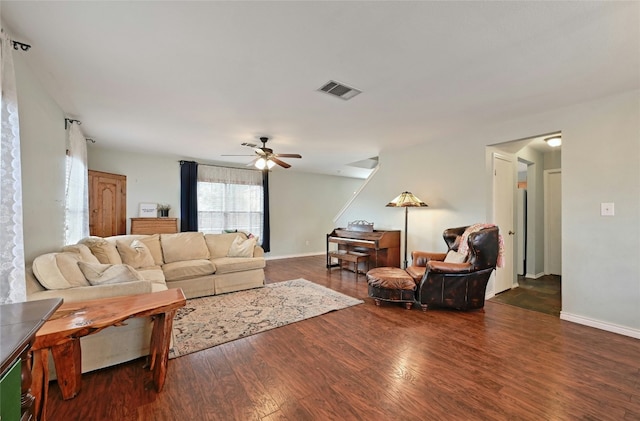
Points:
[[107, 204], [154, 225], [19, 323]]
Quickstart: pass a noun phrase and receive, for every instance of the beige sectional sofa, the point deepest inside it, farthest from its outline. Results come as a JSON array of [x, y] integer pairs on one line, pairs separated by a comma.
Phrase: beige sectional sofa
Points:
[[200, 264]]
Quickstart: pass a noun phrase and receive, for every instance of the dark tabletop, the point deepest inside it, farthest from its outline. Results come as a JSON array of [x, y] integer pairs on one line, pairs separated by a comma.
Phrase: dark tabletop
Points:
[[19, 323]]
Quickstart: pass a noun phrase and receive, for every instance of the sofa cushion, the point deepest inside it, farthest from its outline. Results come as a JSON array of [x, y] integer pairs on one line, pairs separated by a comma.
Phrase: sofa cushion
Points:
[[105, 251], [177, 271], [153, 243], [183, 246], [241, 247], [416, 272], [455, 257], [104, 273], [152, 274], [58, 271], [135, 253], [83, 252], [237, 264], [219, 244]]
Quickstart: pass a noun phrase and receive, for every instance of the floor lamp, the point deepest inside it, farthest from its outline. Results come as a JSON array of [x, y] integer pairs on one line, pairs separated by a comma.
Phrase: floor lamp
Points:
[[406, 200]]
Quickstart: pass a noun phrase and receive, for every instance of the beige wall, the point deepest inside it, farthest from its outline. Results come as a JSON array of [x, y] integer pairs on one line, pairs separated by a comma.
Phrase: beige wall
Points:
[[43, 148], [302, 204], [600, 156], [150, 178]]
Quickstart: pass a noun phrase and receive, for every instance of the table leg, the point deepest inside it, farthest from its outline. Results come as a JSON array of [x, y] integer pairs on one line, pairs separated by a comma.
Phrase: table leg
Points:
[[26, 397], [40, 382], [67, 357], [159, 349]]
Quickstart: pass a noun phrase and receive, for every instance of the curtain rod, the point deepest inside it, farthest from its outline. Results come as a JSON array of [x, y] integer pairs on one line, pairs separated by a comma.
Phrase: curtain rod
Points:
[[17, 45], [68, 121]]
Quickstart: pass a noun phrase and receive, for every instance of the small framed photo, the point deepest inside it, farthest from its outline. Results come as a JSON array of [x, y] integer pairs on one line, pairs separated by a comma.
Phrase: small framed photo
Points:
[[148, 210]]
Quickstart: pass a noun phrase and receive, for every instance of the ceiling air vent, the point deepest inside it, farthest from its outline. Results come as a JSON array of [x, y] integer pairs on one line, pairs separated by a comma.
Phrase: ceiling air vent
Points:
[[338, 89]]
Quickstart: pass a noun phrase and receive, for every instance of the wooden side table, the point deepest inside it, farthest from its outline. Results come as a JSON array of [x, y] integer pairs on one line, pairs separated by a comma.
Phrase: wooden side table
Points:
[[61, 335]]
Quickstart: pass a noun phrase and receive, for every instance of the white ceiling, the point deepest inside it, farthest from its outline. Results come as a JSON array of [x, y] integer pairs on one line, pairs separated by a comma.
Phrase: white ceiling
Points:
[[196, 79]]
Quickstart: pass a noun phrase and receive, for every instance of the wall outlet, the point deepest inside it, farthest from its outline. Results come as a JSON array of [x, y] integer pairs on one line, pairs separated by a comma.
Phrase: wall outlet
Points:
[[607, 209]]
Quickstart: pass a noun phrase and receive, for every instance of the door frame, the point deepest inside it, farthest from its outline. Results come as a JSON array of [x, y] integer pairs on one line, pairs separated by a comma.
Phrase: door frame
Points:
[[546, 174], [511, 159]]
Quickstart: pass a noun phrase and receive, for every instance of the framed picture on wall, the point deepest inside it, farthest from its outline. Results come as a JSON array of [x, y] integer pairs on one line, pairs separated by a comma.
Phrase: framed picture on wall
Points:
[[148, 210]]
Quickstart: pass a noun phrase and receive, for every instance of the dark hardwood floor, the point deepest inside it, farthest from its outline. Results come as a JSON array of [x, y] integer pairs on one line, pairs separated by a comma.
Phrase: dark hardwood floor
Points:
[[381, 363], [542, 294]]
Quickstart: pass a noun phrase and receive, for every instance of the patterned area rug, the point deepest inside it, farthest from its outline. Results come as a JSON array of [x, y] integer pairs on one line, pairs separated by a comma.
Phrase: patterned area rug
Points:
[[210, 321]]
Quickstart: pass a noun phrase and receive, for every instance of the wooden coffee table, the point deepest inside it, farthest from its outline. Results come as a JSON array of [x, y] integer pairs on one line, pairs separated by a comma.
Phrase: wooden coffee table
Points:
[[62, 332]]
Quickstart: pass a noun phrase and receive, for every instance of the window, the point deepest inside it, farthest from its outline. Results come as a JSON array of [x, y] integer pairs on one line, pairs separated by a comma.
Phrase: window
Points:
[[230, 199], [76, 207]]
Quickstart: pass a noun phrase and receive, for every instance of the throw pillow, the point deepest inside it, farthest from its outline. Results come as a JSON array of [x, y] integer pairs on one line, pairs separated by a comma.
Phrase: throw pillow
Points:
[[241, 247], [455, 257], [136, 254], [103, 274], [103, 250]]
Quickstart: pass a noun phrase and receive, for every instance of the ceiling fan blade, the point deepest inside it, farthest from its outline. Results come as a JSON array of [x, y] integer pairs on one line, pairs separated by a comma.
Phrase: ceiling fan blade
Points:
[[236, 155], [288, 155], [281, 163]]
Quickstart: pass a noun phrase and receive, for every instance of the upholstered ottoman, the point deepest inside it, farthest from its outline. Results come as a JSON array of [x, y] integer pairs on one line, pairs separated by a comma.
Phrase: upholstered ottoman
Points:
[[391, 284]]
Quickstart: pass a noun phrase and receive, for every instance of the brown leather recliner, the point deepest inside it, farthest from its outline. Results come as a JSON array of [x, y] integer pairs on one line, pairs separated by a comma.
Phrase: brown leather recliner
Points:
[[457, 285]]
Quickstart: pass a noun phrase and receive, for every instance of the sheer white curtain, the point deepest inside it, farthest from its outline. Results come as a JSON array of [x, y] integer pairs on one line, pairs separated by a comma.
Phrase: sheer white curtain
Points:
[[12, 282], [230, 198], [76, 187]]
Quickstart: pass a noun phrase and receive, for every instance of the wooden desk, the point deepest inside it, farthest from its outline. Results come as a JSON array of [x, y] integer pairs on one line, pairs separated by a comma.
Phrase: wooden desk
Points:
[[62, 333], [19, 323]]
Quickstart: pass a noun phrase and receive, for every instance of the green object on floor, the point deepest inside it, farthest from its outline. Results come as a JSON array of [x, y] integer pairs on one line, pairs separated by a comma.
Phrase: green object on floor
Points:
[[10, 389]]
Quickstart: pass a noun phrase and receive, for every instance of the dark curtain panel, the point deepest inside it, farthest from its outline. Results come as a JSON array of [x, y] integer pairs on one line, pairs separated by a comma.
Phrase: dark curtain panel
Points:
[[266, 234], [188, 196]]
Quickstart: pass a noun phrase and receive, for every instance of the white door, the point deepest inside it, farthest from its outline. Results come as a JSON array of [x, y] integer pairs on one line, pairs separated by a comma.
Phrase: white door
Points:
[[553, 222], [504, 189]]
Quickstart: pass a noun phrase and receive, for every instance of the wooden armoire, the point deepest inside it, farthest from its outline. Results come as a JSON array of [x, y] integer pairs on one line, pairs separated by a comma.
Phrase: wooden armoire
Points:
[[107, 204]]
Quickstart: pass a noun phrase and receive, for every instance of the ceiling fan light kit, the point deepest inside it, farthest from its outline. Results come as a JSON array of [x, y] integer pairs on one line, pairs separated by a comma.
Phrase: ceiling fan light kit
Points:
[[261, 163]]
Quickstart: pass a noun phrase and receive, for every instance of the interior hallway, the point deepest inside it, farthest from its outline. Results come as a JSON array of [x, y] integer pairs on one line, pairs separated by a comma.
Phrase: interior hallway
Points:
[[542, 294]]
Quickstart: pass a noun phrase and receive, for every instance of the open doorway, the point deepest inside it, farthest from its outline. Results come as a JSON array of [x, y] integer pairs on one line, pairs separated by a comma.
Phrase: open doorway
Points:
[[537, 222]]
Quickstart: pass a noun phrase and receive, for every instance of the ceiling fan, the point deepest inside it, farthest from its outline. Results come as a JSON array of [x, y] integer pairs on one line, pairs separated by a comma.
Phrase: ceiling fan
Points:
[[266, 158]]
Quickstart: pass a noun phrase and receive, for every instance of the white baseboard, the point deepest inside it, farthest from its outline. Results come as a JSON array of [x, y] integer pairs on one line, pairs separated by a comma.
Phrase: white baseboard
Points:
[[532, 276], [289, 256], [609, 327]]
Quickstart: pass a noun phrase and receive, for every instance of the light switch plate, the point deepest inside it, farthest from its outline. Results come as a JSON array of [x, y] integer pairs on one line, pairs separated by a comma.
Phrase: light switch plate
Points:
[[607, 209]]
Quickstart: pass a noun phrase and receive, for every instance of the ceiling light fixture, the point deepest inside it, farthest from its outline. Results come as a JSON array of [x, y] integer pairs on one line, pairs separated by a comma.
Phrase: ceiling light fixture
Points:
[[554, 141]]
